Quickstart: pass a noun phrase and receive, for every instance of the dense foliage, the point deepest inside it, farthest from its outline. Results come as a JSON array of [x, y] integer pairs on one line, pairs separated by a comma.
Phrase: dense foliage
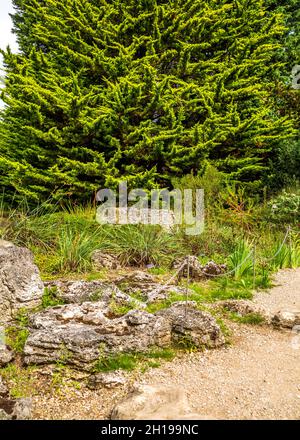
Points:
[[144, 90]]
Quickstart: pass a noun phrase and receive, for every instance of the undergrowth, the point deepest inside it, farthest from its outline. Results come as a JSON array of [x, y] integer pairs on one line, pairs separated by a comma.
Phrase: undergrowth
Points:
[[131, 361]]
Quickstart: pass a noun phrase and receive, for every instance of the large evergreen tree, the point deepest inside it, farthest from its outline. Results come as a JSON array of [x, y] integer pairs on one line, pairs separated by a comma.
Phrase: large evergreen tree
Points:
[[284, 164], [141, 90]]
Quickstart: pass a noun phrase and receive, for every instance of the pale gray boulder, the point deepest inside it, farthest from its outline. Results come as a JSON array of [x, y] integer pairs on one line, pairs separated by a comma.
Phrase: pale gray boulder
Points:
[[20, 282], [155, 402]]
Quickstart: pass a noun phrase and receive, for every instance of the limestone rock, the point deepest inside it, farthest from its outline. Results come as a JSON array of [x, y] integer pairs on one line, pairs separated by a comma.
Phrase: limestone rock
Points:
[[146, 285], [286, 319], [81, 333], [101, 260], [15, 409], [20, 282], [160, 292], [6, 356], [3, 388], [78, 292], [138, 279], [242, 307], [149, 402], [196, 270], [192, 326], [212, 268], [155, 402], [106, 380]]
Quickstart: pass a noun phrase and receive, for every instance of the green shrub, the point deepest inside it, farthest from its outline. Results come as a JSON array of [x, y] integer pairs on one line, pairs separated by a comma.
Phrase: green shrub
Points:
[[286, 255], [240, 260], [138, 245], [285, 208]]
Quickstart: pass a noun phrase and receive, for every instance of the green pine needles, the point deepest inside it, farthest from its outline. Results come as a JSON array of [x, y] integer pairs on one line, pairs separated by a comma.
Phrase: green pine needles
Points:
[[142, 90]]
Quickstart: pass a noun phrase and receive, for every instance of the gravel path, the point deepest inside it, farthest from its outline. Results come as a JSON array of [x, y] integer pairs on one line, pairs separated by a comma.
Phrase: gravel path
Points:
[[256, 377], [285, 295]]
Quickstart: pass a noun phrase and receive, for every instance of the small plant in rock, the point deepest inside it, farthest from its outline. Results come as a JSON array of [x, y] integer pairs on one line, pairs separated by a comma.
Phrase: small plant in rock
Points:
[[186, 343], [121, 361], [121, 309], [138, 295], [17, 334], [51, 298], [158, 271], [96, 296]]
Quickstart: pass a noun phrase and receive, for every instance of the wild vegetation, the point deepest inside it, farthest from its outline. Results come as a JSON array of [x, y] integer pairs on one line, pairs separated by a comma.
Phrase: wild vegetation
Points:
[[240, 232], [163, 94]]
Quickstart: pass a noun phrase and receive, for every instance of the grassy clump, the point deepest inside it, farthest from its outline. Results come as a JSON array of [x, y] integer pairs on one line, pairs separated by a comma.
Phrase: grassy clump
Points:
[[51, 298], [21, 381], [138, 245], [121, 309], [131, 361], [249, 318]]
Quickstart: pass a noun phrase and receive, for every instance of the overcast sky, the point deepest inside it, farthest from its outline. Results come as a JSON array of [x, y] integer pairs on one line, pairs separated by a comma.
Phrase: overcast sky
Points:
[[6, 37]]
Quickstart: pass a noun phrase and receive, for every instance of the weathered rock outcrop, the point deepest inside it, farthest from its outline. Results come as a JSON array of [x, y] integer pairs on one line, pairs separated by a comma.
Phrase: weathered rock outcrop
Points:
[[78, 292], [15, 409], [20, 282], [145, 285], [155, 402], [191, 326], [281, 319], [195, 268], [79, 334], [242, 308], [6, 355]]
